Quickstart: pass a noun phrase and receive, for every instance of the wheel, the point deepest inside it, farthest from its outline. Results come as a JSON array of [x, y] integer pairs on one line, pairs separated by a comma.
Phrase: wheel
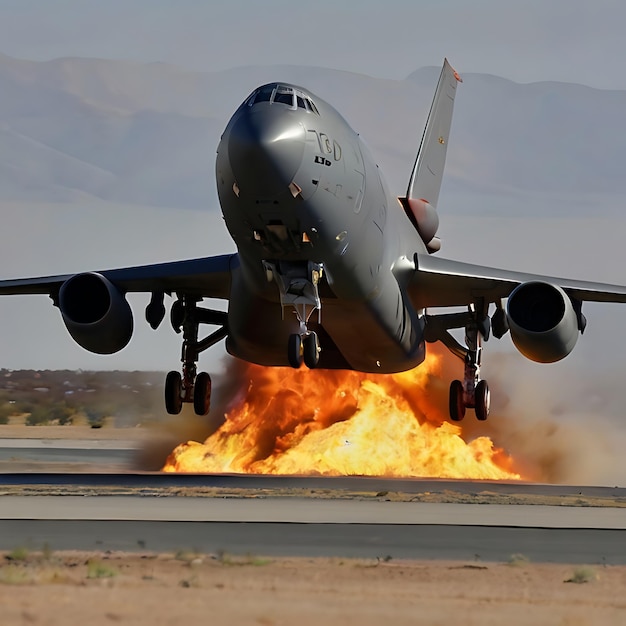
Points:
[[311, 350], [482, 400], [294, 351], [457, 406], [173, 398], [202, 394]]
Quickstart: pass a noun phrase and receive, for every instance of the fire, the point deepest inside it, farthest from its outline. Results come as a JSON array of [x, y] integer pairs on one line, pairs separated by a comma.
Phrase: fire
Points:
[[343, 423]]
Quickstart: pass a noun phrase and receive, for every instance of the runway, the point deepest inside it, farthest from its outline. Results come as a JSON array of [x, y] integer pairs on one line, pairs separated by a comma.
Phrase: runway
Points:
[[339, 517], [114, 455], [294, 526]]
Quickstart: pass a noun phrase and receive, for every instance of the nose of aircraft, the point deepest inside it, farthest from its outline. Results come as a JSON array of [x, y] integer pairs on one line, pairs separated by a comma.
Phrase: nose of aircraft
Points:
[[265, 149]]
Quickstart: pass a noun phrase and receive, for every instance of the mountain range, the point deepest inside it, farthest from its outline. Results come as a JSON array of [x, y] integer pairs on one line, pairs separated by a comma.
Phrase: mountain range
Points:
[[75, 130]]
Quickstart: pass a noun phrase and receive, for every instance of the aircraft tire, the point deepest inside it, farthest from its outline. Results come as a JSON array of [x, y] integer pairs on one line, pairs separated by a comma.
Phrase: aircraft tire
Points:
[[202, 394], [173, 398], [482, 400], [457, 406], [311, 350], [294, 351]]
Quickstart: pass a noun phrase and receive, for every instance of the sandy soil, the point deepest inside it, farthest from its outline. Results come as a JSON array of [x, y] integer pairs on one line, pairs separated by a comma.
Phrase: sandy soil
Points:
[[86, 588]]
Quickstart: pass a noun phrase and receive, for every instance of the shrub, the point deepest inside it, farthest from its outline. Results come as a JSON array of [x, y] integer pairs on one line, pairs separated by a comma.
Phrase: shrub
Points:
[[582, 575], [55, 414], [6, 410]]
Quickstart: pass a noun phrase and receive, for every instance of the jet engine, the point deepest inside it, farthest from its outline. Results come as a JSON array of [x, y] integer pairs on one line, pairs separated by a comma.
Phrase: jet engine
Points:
[[543, 323], [96, 314]]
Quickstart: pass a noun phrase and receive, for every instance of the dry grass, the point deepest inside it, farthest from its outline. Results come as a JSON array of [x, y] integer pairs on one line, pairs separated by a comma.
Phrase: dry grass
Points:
[[518, 560], [582, 575], [97, 569]]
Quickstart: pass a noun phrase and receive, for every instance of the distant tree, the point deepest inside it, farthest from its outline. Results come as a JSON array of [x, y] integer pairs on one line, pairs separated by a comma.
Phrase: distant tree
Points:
[[55, 414], [6, 410], [39, 416], [23, 406], [95, 417]]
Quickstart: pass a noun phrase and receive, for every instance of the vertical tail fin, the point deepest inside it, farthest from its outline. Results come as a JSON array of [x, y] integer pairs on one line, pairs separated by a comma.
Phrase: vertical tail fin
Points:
[[425, 182]]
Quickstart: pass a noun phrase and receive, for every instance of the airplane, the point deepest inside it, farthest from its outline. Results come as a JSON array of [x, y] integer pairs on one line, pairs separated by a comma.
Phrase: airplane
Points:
[[331, 270]]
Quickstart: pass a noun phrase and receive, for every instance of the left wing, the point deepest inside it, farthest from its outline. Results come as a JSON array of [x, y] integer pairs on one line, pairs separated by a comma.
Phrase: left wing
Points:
[[441, 283], [208, 277]]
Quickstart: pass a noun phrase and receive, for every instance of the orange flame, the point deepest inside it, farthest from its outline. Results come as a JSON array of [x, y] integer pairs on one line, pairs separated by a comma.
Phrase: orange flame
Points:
[[343, 423]]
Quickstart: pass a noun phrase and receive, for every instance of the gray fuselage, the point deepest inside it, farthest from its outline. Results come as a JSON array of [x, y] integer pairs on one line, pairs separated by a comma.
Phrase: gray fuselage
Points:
[[297, 184]]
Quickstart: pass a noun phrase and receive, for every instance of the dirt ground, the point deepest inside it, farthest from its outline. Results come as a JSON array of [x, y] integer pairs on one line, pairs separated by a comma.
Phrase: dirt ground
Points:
[[88, 588]]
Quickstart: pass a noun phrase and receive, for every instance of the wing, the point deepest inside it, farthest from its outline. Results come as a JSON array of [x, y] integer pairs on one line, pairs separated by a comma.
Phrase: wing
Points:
[[441, 282], [208, 277]]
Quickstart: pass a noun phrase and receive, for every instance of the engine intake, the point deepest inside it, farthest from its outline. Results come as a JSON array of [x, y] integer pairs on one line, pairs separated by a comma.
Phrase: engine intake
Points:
[[96, 313], [544, 326]]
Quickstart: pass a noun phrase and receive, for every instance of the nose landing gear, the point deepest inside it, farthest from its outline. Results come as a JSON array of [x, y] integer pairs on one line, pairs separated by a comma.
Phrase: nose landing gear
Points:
[[311, 350], [298, 287], [304, 347], [190, 386]]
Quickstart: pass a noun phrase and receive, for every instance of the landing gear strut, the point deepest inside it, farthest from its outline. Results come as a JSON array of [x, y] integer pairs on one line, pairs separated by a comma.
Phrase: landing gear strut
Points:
[[472, 392], [190, 386], [298, 287]]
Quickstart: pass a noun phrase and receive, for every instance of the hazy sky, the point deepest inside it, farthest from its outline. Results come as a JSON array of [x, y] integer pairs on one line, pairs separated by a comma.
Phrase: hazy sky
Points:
[[524, 41], [567, 40], [579, 41]]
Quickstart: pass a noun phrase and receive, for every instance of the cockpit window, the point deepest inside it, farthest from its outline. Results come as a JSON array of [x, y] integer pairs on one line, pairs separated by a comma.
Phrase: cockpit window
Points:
[[260, 95], [312, 105], [283, 94], [264, 94]]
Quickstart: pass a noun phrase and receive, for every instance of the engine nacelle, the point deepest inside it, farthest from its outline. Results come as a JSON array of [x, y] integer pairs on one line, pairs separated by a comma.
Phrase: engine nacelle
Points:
[[544, 326], [95, 313]]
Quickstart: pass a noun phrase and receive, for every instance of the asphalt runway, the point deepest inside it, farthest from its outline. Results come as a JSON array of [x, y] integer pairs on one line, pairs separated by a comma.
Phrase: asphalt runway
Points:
[[353, 484], [375, 541], [293, 526], [104, 453], [343, 517]]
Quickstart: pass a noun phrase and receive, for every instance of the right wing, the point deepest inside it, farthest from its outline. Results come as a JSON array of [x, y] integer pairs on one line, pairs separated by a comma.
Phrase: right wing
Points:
[[441, 282]]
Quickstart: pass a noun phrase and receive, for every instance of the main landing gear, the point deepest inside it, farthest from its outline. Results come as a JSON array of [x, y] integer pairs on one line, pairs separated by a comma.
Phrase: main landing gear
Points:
[[188, 386], [298, 287], [472, 392]]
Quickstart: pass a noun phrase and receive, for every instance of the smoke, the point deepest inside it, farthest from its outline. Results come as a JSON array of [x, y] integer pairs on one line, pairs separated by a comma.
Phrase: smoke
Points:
[[228, 387], [561, 423]]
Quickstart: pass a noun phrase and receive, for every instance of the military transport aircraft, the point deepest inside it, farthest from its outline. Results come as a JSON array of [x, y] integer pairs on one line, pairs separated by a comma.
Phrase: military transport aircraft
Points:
[[331, 268]]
